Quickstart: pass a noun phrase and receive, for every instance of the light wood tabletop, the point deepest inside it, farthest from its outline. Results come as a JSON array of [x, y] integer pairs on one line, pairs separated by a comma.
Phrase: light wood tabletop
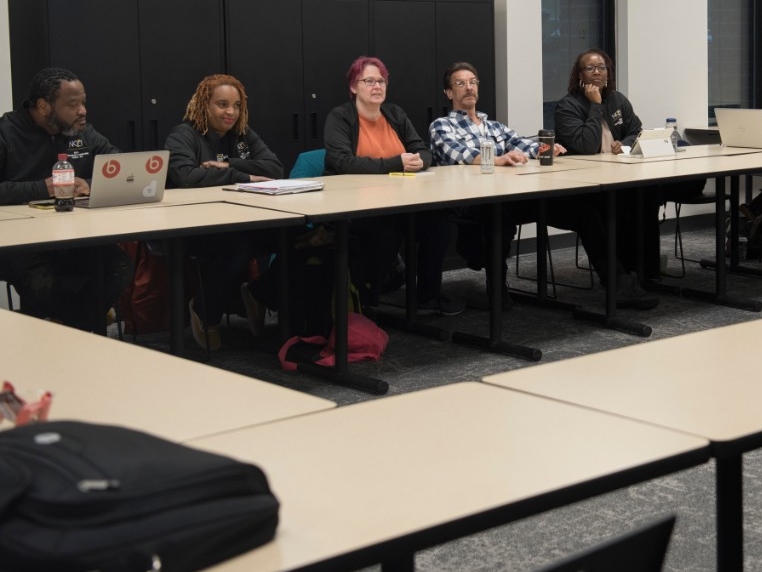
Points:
[[96, 226], [102, 380], [701, 383], [439, 187], [379, 480]]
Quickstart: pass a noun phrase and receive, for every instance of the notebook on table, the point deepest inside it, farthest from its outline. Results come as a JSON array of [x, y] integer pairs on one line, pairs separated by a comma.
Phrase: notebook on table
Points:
[[278, 187], [127, 179], [740, 127]]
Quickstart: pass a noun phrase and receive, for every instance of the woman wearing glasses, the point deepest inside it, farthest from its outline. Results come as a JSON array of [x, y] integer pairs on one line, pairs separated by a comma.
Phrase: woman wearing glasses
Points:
[[366, 135], [593, 117]]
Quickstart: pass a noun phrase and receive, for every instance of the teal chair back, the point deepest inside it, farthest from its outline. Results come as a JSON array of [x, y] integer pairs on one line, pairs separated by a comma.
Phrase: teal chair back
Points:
[[308, 164]]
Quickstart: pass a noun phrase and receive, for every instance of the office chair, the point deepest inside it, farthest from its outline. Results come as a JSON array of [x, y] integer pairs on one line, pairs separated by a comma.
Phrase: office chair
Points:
[[641, 550], [157, 248], [553, 281], [679, 199], [308, 164], [705, 198], [117, 316]]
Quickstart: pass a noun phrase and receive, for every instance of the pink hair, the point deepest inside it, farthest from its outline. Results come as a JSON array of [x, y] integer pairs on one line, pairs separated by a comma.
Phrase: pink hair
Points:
[[359, 65]]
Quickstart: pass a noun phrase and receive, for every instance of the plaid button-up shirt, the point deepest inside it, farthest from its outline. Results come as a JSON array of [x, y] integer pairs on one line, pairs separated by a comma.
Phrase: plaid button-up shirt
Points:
[[456, 140]]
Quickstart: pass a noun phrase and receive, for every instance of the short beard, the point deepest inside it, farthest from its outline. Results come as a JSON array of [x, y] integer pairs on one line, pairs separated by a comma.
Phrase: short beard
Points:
[[67, 130]]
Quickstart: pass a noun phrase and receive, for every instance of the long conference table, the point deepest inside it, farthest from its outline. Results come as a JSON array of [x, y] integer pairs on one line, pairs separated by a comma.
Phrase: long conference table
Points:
[[27, 229], [356, 196], [377, 481], [616, 173], [185, 212], [353, 196], [698, 383]]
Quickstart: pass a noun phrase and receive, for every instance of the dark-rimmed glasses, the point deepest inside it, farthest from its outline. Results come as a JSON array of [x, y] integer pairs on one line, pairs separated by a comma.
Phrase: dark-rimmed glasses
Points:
[[371, 81], [591, 68]]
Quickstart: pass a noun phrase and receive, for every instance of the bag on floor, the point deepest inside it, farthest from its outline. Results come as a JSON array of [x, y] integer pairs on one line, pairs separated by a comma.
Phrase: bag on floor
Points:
[[310, 290], [145, 302], [86, 497], [365, 341]]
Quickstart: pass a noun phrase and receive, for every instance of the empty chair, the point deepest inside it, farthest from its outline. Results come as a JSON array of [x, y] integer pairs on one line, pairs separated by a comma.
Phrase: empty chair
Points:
[[702, 198], [308, 164], [641, 550]]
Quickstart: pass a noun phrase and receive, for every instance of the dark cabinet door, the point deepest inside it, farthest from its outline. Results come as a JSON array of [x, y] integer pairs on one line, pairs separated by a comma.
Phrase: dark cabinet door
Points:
[[29, 44], [292, 57], [404, 38], [265, 54], [99, 41], [335, 34], [419, 39], [181, 42], [465, 33], [140, 61]]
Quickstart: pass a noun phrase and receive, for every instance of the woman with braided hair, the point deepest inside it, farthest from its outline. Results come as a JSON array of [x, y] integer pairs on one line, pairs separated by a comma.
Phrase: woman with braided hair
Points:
[[215, 146]]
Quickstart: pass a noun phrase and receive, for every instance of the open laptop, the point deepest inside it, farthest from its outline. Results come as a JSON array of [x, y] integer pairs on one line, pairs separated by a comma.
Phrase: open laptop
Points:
[[127, 179], [740, 127]]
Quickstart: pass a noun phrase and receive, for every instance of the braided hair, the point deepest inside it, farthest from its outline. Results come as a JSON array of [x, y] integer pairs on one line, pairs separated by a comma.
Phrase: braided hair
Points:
[[196, 111], [46, 84]]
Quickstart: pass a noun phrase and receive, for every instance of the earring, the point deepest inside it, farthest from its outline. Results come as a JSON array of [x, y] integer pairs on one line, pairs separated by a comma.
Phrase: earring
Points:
[[581, 84]]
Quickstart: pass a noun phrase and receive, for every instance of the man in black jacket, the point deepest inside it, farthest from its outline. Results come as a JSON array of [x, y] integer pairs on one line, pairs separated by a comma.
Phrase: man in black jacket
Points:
[[56, 284]]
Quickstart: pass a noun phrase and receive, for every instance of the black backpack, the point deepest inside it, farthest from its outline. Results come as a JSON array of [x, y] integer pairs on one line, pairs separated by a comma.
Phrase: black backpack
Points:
[[85, 497]]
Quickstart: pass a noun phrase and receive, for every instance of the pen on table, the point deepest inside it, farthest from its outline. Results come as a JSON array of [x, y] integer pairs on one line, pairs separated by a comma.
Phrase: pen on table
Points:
[[401, 174]]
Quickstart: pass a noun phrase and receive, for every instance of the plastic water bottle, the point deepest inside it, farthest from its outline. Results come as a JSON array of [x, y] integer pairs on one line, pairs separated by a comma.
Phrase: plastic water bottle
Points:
[[63, 184], [675, 136]]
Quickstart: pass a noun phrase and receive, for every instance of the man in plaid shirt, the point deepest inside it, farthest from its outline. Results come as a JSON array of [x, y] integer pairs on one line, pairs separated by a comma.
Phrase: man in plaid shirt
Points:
[[456, 140]]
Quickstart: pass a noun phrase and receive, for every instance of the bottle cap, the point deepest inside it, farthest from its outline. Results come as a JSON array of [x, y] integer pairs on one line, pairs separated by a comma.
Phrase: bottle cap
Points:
[[671, 120], [63, 157]]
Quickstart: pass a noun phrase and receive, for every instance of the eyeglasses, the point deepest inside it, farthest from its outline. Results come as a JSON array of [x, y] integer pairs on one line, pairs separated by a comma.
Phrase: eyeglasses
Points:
[[371, 81], [461, 83], [590, 69]]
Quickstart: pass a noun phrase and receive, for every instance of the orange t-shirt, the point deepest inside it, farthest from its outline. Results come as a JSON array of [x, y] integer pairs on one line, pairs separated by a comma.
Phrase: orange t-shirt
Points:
[[378, 140]]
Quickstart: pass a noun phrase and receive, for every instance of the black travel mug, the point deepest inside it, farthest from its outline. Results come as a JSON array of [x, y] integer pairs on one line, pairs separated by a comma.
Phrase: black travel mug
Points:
[[547, 140]]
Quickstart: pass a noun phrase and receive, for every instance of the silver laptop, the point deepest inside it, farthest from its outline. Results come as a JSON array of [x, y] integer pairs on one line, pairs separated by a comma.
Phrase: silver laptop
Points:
[[127, 179], [740, 127]]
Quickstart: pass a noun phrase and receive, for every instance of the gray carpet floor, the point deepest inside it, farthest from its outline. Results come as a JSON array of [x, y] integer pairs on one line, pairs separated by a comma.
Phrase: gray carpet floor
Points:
[[412, 363]]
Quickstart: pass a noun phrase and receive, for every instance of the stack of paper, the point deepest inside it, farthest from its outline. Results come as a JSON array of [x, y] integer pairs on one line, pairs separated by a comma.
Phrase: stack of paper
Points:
[[279, 187]]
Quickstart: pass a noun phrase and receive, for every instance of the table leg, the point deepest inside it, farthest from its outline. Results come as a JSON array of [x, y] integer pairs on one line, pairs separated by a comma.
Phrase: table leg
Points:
[[97, 292], [540, 296], [730, 514], [402, 563], [719, 296], [174, 248], [410, 323], [340, 372], [495, 343], [610, 319]]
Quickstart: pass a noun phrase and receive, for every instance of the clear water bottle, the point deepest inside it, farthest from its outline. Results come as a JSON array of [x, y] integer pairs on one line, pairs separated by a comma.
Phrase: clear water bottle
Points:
[[675, 136], [63, 184], [487, 156]]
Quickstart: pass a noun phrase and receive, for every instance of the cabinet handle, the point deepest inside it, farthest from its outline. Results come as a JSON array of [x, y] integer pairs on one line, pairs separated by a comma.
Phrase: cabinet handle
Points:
[[314, 125], [131, 134], [155, 134], [295, 126]]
